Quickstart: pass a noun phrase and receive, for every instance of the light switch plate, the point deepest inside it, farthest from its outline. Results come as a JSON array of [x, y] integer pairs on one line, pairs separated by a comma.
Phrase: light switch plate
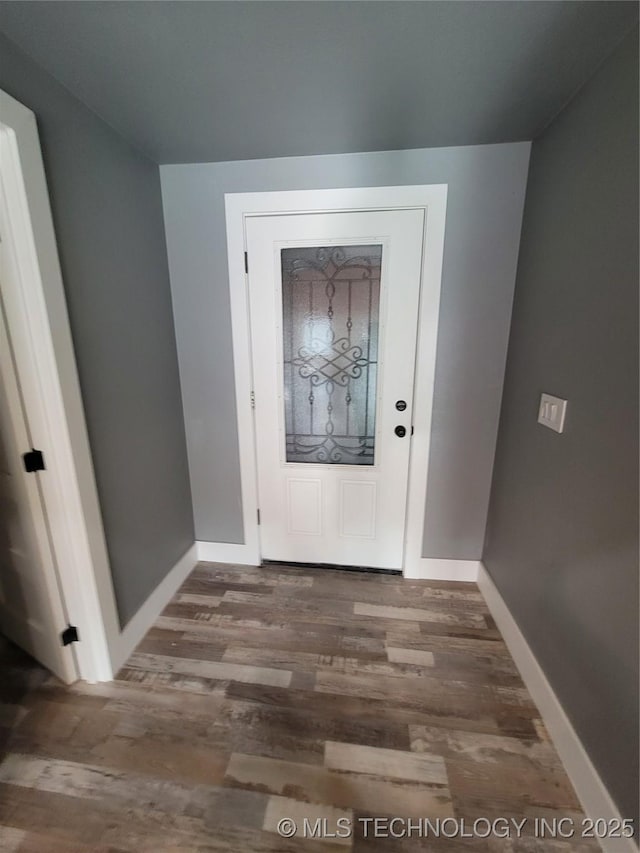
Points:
[[552, 412]]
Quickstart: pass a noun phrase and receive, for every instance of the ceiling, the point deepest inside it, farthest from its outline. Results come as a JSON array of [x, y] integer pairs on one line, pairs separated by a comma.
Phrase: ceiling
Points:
[[205, 81]]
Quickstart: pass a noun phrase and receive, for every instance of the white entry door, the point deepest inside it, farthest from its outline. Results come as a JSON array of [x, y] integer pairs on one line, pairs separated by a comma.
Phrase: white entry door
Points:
[[334, 303], [31, 611]]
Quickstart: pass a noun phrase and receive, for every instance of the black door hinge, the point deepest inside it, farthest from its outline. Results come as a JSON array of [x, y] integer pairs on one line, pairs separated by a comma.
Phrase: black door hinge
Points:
[[33, 461], [258, 511], [246, 262], [69, 635]]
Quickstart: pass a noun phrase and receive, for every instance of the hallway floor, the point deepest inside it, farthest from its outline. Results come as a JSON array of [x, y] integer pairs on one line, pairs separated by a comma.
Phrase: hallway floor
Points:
[[272, 693]]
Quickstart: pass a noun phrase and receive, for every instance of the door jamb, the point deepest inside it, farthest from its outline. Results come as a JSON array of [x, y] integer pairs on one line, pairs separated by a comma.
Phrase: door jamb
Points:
[[238, 206], [46, 364]]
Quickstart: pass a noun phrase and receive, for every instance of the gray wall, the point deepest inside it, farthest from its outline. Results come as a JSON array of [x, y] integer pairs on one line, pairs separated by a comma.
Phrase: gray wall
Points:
[[486, 196], [562, 539], [107, 212]]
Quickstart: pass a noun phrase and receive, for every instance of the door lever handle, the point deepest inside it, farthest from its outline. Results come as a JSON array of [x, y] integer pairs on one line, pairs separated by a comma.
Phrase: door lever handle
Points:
[[400, 431]]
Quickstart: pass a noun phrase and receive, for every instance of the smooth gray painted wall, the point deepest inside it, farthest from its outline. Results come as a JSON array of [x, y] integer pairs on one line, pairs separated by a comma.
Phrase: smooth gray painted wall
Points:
[[562, 543], [107, 212], [486, 197]]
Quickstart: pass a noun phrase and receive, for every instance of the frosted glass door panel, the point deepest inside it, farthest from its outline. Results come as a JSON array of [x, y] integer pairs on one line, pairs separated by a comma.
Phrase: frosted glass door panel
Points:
[[330, 304]]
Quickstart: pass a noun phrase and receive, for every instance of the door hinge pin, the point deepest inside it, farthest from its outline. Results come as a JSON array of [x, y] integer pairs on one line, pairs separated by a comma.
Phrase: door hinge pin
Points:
[[33, 461], [246, 262], [258, 511], [252, 397], [69, 635]]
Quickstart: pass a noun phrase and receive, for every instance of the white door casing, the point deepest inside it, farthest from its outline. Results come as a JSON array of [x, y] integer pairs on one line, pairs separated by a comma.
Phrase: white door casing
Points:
[[31, 608], [38, 325], [330, 497], [239, 207]]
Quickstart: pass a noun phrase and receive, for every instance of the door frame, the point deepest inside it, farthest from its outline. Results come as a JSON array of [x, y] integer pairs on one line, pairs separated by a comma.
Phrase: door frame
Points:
[[46, 367], [432, 198]]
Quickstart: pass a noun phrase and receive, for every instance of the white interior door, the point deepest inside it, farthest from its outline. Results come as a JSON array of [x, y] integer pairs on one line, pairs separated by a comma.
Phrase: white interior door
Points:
[[334, 303], [31, 611]]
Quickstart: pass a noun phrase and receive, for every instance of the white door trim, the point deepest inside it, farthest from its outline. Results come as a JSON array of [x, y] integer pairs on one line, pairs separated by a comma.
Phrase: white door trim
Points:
[[45, 361], [238, 206]]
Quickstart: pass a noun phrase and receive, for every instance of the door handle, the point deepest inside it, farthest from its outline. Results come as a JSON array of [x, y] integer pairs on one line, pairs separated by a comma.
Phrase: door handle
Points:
[[400, 431]]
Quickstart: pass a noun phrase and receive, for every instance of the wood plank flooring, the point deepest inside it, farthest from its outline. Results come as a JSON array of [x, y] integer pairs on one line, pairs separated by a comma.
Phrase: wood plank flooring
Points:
[[270, 693]]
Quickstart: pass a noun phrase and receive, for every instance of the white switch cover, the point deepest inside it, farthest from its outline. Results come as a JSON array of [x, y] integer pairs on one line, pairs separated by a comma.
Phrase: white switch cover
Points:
[[552, 412]]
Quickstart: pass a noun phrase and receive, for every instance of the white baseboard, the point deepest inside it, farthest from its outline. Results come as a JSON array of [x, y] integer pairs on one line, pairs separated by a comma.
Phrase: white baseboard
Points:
[[224, 552], [422, 569], [427, 568], [138, 626], [592, 793]]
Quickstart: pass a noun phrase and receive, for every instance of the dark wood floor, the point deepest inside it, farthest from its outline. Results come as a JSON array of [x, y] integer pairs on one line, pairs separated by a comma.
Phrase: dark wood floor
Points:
[[271, 693]]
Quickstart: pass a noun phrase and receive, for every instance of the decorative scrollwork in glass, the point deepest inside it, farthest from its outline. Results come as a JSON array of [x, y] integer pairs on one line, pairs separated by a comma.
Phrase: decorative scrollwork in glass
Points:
[[331, 301]]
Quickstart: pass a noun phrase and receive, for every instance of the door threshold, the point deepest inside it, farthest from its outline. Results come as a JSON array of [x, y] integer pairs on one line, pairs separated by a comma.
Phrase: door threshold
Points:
[[332, 566]]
